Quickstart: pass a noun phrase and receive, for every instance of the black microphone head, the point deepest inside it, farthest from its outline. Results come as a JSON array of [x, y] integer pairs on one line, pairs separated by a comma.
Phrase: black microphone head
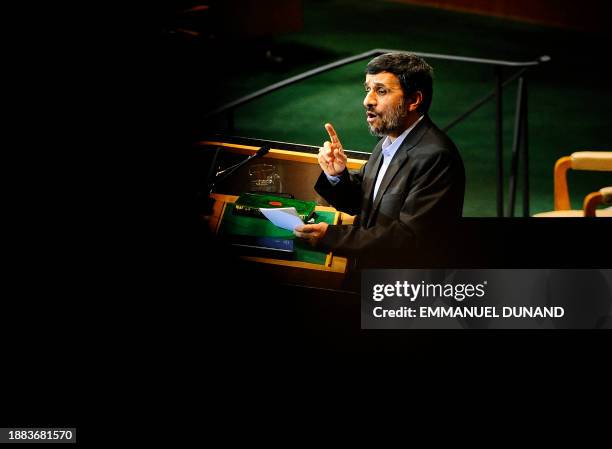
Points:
[[263, 151]]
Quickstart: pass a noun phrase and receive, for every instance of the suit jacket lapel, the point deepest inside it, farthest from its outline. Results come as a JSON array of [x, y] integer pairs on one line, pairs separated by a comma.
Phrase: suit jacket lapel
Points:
[[369, 180], [398, 161]]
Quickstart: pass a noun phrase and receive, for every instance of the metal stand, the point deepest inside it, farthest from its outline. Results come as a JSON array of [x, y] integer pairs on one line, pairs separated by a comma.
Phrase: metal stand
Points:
[[520, 150], [499, 140]]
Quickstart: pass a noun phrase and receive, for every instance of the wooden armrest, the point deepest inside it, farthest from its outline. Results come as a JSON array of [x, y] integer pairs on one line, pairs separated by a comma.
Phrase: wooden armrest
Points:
[[592, 160]]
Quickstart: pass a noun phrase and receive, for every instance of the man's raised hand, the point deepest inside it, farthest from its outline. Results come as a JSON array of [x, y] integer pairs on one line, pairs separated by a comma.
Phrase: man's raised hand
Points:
[[331, 155]]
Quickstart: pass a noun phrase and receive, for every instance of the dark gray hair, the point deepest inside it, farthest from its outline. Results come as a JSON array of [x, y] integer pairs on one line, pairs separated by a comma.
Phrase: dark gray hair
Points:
[[413, 72]]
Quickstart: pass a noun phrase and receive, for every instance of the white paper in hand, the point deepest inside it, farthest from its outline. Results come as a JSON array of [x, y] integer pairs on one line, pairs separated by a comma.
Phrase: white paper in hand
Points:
[[283, 217]]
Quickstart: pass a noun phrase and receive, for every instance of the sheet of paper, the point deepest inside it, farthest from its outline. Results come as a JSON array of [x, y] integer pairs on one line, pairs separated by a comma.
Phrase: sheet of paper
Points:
[[283, 217]]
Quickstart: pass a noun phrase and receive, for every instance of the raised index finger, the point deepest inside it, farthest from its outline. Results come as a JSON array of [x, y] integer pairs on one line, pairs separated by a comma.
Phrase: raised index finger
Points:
[[332, 133]]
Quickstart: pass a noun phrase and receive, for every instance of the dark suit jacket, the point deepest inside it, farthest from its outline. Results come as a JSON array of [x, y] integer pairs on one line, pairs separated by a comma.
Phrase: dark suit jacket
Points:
[[418, 202]]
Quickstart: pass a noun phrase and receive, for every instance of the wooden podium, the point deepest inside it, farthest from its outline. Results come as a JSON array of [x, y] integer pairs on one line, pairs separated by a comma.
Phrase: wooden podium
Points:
[[298, 165]]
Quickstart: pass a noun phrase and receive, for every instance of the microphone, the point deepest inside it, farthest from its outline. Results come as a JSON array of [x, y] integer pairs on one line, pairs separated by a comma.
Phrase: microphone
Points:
[[228, 171], [262, 151], [224, 174]]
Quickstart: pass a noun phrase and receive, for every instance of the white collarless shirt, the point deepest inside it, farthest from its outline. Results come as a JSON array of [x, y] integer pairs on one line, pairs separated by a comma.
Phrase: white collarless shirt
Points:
[[388, 150]]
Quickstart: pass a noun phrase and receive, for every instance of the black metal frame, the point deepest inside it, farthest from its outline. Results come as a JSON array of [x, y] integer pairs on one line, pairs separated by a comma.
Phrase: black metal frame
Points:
[[520, 151]]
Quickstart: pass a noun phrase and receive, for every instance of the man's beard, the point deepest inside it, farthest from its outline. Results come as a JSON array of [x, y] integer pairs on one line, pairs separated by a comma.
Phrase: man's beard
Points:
[[390, 121]]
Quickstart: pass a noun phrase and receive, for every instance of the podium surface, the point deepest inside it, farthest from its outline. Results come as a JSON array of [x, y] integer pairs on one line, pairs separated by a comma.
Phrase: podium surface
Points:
[[329, 274]]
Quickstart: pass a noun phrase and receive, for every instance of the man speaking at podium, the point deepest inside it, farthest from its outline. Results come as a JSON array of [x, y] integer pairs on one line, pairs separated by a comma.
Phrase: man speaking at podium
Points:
[[409, 195]]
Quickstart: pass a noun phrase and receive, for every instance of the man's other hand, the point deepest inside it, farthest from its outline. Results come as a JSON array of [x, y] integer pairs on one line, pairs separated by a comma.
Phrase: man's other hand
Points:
[[331, 155], [312, 233]]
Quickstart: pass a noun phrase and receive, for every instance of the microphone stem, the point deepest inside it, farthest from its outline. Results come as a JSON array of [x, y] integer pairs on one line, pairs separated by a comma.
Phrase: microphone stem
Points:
[[228, 171]]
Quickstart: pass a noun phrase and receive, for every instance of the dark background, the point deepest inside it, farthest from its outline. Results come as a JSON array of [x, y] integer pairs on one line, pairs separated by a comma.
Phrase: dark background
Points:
[[91, 337]]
